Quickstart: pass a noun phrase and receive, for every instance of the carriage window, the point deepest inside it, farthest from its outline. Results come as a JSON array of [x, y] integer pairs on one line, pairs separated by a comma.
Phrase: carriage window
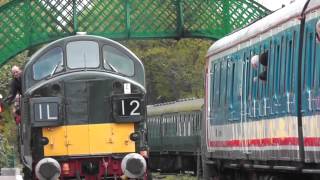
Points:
[[117, 61], [48, 64], [237, 81], [229, 81], [212, 81], [289, 67], [223, 82], [83, 54], [216, 83]]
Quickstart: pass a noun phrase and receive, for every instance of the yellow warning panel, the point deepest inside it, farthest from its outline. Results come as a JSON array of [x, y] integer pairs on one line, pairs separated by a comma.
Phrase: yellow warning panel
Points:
[[57, 142], [78, 139], [111, 138], [90, 139]]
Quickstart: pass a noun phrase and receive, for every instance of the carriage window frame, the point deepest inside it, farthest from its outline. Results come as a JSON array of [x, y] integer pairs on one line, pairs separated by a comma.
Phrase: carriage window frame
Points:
[[110, 66], [270, 70], [217, 84], [283, 62], [317, 70], [260, 83], [231, 66], [233, 69], [91, 48], [273, 68], [264, 84], [276, 69], [212, 84], [223, 81], [46, 56], [310, 63], [246, 75], [237, 82], [294, 56], [289, 65], [252, 73]]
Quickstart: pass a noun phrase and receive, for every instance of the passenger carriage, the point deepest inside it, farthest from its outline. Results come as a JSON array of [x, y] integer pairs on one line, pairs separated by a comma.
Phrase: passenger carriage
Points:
[[262, 105]]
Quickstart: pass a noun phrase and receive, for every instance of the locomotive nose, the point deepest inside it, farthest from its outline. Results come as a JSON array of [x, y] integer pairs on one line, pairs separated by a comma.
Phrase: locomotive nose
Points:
[[48, 169], [133, 165]]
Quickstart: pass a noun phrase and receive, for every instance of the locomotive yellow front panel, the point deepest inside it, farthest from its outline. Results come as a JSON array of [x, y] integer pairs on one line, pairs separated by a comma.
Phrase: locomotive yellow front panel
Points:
[[89, 139], [57, 141], [111, 138], [78, 139]]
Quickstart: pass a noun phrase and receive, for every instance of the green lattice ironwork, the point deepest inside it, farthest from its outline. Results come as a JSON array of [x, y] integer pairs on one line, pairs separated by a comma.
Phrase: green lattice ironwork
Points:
[[24, 23]]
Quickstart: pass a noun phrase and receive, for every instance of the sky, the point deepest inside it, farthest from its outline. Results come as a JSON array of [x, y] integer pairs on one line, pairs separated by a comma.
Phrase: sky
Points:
[[274, 4]]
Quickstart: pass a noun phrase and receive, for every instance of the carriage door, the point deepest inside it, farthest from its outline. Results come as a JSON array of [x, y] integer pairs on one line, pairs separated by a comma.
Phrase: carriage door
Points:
[[245, 105]]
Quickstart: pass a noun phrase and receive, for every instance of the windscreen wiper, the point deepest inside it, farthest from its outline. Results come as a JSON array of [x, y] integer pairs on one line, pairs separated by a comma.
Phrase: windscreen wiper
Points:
[[110, 65], [55, 68]]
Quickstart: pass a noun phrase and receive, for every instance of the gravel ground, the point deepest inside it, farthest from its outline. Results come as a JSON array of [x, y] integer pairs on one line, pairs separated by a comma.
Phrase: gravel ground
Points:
[[157, 176]]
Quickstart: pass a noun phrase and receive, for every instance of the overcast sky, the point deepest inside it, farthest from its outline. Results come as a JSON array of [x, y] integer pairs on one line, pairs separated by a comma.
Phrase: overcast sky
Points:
[[274, 4]]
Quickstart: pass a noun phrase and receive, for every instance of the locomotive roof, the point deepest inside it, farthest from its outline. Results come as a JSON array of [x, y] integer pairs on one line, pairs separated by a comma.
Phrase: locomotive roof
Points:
[[176, 106], [271, 21]]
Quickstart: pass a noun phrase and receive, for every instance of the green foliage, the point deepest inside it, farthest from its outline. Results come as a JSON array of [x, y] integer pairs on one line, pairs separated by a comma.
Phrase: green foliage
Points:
[[7, 140], [2, 2], [174, 69], [6, 153], [5, 71], [8, 135]]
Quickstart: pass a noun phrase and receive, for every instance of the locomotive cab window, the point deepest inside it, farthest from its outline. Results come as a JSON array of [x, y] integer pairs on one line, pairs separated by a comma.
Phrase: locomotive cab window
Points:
[[83, 54], [48, 64], [117, 61]]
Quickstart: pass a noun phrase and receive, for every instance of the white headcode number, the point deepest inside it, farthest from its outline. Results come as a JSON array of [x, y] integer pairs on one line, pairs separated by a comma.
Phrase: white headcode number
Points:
[[47, 112], [133, 112], [123, 110], [135, 104]]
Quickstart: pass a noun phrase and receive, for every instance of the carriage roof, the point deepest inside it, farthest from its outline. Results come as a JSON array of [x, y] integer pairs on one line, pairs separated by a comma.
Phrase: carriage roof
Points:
[[175, 106], [265, 24]]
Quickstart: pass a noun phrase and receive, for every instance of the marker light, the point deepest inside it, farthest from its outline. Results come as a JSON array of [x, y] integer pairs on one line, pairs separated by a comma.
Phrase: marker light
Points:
[[65, 168]]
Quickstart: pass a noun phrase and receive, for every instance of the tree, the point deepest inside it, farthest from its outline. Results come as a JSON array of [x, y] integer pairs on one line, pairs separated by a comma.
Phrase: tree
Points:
[[174, 69]]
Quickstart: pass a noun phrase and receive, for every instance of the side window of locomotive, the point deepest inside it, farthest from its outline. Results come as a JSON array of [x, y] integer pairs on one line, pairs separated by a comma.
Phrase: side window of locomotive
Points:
[[83, 54], [117, 61], [48, 64]]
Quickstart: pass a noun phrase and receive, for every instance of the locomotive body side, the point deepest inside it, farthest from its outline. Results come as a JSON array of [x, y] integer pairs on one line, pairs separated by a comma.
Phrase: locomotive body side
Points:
[[83, 101]]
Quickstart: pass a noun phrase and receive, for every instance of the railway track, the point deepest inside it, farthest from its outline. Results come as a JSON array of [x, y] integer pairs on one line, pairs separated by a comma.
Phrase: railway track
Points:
[[173, 176]]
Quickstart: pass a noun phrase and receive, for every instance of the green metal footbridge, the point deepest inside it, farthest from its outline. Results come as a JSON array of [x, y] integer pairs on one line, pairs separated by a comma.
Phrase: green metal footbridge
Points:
[[26, 23]]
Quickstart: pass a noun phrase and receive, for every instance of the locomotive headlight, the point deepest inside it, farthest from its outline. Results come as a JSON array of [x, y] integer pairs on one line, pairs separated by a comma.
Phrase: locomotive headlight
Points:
[[318, 31], [133, 165], [44, 141], [135, 136], [48, 168]]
